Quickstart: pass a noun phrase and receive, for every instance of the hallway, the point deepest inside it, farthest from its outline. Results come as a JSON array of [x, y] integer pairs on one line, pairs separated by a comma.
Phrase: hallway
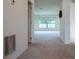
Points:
[[47, 45], [38, 20]]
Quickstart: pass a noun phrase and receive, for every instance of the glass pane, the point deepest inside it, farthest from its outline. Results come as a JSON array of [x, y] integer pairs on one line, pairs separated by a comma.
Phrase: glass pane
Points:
[[42, 21], [51, 21], [51, 25], [42, 25]]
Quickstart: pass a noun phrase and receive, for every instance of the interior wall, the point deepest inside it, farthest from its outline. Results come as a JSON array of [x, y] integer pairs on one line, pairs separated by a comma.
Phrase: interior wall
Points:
[[54, 17], [72, 20], [16, 22], [65, 21]]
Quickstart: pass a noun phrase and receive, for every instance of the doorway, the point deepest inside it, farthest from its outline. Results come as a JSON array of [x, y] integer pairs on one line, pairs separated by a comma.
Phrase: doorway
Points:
[[29, 22]]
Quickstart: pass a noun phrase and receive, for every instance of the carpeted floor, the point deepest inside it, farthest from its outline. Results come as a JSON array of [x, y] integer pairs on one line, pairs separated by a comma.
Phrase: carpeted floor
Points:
[[48, 46]]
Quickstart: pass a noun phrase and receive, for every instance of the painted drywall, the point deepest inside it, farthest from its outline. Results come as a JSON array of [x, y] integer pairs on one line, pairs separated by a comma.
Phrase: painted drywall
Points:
[[61, 24], [65, 21], [16, 22], [72, 21], [54, 17]]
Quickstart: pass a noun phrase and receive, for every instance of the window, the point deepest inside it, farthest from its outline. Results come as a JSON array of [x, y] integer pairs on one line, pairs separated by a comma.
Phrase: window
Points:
[[47, 24], [42, 25], [51, 25]]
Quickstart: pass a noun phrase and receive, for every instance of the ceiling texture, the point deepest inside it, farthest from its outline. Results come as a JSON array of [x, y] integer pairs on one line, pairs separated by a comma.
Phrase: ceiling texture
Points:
[[47, 7]]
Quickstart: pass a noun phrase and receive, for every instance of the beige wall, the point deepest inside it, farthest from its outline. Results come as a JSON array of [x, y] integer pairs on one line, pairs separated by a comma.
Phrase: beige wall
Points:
[[16, 22]]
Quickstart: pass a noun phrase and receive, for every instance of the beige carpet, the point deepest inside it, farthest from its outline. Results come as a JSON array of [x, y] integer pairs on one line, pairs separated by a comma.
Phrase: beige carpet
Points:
[[48, 46]]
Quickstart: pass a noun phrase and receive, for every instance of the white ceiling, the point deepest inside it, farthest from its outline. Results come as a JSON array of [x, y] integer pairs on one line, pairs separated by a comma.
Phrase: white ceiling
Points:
[[47, 6]]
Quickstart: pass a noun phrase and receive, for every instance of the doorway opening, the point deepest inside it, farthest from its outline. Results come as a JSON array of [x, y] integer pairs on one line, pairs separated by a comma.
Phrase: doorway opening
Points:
[[46, 22], [29, 23]]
